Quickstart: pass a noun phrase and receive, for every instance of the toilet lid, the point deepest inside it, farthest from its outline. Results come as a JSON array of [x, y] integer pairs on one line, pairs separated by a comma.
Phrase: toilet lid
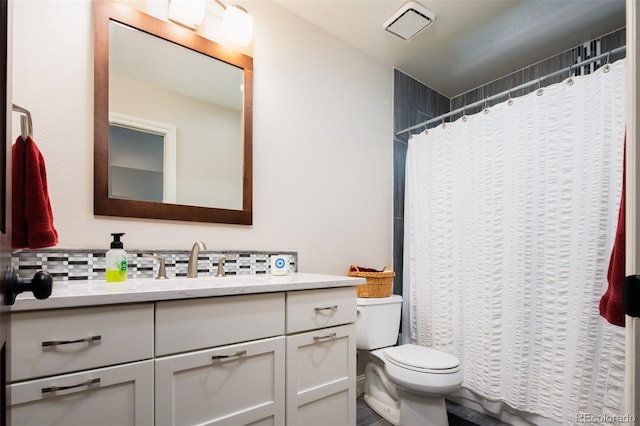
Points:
[[419, 358]]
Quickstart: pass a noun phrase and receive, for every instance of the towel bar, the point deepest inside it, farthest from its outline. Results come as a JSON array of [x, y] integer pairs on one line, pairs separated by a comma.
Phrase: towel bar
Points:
[[26, 124]]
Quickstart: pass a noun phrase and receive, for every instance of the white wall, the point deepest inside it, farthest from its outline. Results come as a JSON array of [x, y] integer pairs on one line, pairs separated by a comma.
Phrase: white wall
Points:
[[322, 141]]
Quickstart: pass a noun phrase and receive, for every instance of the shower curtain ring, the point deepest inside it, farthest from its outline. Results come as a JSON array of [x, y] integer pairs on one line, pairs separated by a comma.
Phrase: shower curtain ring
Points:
[[510, 101], [464, 113], [539, 92], [486, 108], [607, 67], [570, 77]]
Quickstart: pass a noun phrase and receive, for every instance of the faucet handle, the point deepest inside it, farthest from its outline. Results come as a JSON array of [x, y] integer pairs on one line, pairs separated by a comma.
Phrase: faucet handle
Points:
[[221, 260], [162, 273]]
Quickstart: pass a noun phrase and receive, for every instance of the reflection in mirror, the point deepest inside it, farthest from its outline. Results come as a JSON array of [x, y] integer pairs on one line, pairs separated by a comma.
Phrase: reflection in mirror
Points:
[[166, 83], [142, 159], [172, 121]]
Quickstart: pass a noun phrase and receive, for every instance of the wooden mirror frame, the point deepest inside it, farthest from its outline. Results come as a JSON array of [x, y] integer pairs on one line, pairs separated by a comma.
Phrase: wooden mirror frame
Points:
[[106, 11]]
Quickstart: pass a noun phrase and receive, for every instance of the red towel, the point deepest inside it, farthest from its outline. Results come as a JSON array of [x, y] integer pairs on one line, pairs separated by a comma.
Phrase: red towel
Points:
[[19, 233], [611, 302], [32, 216]]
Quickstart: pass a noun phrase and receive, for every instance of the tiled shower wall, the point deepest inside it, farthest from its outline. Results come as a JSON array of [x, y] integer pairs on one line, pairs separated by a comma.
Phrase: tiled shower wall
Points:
[[70, 265], [415, 103], [559, 62]]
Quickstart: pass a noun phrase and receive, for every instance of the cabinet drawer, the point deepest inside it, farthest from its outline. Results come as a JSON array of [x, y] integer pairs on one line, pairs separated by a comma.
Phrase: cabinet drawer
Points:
[[232, 385], [312, 309], [52, 342], [120, 395], [321, 371], [185, 325]]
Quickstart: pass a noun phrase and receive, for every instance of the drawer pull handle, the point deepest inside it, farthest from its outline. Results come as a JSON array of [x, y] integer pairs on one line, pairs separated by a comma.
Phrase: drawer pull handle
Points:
[[61, 388], [327, 308], [239, 353], [69, 342], [327, 336]]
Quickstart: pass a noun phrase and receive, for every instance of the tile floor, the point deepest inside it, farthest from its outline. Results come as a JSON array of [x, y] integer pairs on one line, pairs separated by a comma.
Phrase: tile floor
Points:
[[458, 416]]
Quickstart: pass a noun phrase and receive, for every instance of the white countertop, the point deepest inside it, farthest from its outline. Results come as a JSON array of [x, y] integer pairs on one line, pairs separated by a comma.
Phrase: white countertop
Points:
[[67, 294]]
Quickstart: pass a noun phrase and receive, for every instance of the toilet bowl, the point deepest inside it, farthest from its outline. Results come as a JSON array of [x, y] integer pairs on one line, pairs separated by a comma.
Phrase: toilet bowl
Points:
[[405, 384]]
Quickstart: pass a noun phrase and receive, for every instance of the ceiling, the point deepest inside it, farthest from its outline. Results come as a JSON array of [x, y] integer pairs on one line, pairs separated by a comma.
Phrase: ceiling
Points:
[[471, 42]]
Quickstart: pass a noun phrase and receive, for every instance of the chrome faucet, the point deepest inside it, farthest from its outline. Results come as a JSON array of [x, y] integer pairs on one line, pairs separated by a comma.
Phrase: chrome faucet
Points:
[[192, 268]]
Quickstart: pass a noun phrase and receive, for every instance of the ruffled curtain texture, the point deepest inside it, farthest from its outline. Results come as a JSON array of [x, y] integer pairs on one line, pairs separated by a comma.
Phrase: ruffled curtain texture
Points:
[[510, 219]]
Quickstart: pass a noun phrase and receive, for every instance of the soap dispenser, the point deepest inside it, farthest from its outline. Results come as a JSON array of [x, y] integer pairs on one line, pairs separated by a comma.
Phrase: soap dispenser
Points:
[[116, 260]]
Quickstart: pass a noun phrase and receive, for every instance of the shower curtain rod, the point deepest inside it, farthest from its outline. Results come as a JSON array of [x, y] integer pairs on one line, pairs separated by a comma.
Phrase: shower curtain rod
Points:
[[513, 89]]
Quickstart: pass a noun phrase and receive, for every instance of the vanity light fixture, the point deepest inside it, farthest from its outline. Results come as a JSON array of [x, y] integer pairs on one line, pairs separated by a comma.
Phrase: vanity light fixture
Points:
[[237, 24], [189, 13]]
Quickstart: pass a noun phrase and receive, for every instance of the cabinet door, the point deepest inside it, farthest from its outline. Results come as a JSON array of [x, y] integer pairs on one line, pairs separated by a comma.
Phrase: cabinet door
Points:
[[238, 384], [121, 395], [321, 377]]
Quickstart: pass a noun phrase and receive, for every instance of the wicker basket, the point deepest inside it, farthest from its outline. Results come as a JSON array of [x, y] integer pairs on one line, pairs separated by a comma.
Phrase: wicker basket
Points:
[[379, 284]]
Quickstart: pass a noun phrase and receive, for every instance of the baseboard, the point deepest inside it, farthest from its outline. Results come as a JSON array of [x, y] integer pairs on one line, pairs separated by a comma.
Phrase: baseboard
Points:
[[360, 385]]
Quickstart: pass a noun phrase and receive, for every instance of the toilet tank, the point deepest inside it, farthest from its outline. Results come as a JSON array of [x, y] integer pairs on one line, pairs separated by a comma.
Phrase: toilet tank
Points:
[[378, 322]]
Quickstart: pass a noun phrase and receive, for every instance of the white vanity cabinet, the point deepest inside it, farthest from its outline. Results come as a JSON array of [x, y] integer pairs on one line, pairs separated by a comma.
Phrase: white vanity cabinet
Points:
[[321, 362], [85, 366], [228, 361], [284, 357]]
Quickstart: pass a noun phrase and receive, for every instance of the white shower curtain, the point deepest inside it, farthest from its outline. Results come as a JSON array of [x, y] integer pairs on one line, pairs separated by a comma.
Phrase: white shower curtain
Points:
[[509, 223]]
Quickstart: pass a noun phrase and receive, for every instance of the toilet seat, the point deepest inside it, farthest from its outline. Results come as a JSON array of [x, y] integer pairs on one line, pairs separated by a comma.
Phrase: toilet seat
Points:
[[422, 359], [421, 370]]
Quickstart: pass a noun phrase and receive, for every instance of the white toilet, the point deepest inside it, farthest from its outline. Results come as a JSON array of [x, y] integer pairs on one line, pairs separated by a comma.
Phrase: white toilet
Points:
[[405, 384]]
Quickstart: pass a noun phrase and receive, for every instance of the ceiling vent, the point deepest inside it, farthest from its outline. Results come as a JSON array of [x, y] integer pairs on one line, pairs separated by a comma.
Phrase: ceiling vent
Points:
[[409, 20]]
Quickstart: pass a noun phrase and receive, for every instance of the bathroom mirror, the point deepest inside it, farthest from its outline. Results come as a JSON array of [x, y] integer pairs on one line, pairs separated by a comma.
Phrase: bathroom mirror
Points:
[[172, 121]]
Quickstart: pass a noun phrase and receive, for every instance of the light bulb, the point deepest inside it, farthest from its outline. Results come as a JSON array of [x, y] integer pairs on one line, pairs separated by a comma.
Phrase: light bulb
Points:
[[187, 12], [237, 25]]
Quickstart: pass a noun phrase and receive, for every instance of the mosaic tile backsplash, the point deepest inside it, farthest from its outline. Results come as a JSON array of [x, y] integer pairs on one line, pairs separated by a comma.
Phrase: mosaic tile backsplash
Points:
[[69, 265]]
